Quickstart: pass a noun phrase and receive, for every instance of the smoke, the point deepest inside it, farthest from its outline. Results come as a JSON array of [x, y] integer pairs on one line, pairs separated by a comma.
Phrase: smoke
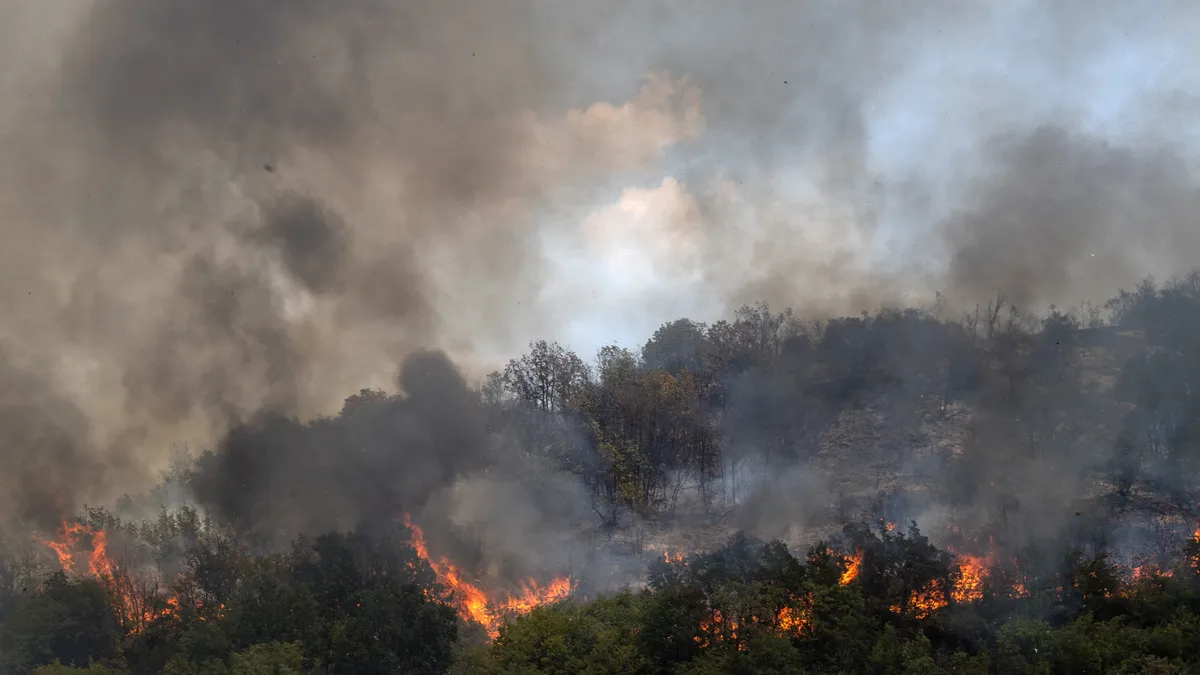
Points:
[[1062, 216], [382, 457], [220, 218]]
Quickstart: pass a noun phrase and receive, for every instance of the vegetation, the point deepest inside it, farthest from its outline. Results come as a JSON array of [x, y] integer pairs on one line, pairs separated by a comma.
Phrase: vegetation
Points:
[[364, 603], [1068, 502]]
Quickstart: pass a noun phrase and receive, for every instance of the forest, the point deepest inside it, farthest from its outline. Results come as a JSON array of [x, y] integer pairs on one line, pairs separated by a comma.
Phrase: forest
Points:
[[906, 491]]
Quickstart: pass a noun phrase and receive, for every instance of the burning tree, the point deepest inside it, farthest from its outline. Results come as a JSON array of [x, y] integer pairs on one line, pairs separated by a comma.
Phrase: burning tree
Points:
[[476, 606]]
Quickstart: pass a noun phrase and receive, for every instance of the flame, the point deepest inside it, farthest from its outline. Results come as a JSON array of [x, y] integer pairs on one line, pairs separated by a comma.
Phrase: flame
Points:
[[972, 571], [924, 602], [792, 620], [853, 565], [718, 628], [132, 610], [472, 603], [1195, 561], [532, 595], [669, 557], [796, 618]]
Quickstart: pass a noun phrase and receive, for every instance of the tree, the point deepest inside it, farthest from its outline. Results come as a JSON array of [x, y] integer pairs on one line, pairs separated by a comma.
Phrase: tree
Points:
[[564, 639], [275, 658], [677, 346], [68, 620], [547, 377]]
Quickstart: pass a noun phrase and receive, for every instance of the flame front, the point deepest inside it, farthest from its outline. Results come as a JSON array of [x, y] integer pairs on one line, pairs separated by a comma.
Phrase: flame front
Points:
[[132, 610], [972, 571], [924, 602], [794, 620], [472, 603], [853, 565]]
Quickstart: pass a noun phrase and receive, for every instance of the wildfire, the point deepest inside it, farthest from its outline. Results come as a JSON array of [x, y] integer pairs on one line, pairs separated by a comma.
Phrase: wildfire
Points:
[[924, 602], [533, 595], [1195, 561], [472, 603], [792, 620], [716, 629], [133, 612], [853, 565], [972, 571], [795, 619], [669, 557]]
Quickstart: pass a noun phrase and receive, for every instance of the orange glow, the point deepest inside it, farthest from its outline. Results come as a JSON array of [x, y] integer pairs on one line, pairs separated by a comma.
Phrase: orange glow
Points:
[[532, 595], [1195, 561], [133, 611], [472, 603], [972, 571], [924, 602], [853, 565], [794, 619], [718, 628], [669, 557]]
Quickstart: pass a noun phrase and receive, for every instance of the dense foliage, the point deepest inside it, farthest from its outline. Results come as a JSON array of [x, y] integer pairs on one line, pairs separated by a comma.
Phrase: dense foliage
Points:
[[361, 603], [754, 608], [1074, 479]]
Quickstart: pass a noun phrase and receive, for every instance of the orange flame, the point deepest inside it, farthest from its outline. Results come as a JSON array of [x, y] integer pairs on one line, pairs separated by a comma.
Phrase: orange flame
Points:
[[924, 602], [532, 595], [972, 571], [792, 620], [132, 610], [853, 565], [718, 628], [796, 618], [1195, 561], [472, 603]]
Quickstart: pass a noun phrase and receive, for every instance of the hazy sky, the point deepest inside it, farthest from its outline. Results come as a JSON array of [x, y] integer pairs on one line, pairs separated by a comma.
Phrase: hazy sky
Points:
[[1120, 72]]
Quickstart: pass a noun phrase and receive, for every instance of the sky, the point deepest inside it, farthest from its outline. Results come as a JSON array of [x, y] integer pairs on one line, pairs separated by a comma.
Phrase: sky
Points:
[[1116, 75]]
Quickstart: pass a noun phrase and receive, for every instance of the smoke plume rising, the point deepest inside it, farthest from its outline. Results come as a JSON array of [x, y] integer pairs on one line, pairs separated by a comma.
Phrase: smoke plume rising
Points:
[[218, 217]]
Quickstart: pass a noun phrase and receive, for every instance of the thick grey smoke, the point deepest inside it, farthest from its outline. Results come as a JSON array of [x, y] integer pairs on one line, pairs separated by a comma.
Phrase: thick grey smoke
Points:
[[380, 458], [220, 215], [1060, 216]]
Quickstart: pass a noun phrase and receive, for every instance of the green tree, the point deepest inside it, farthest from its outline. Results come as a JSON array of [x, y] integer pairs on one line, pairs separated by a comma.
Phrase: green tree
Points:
[[68, 620], [567, 639], [274, 658]]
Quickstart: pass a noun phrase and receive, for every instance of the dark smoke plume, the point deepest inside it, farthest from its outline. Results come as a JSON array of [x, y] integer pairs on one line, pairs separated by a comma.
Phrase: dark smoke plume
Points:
[[382, 457], [219, 218]]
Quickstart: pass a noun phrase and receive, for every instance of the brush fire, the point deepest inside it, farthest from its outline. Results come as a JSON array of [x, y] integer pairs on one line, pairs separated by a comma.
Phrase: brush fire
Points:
[[973, 579], [135, 610], [488, 610], [82, 551]]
